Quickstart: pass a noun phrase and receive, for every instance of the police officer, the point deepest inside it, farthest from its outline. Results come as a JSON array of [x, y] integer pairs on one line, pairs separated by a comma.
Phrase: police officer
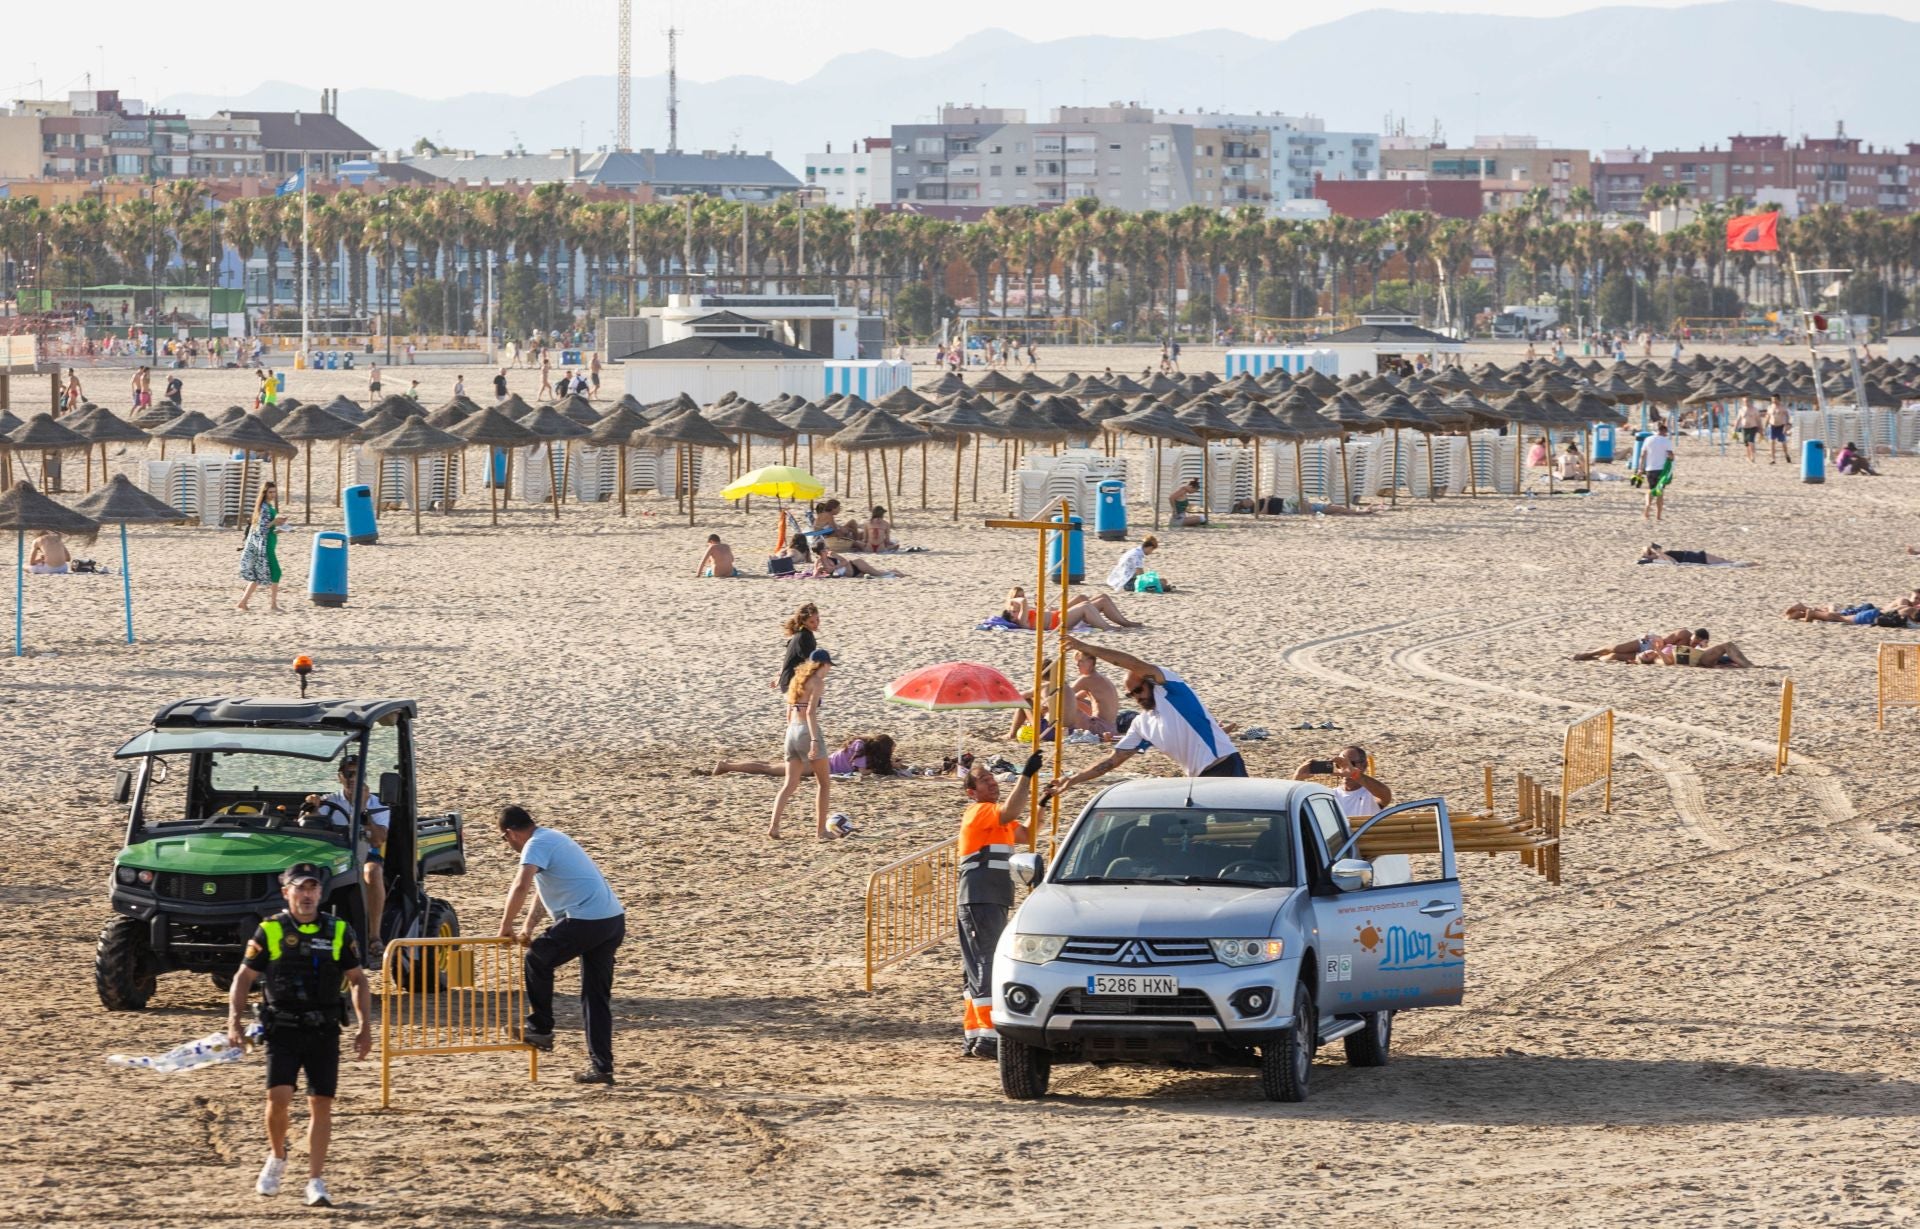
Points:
[[988, 832], [301, 955]]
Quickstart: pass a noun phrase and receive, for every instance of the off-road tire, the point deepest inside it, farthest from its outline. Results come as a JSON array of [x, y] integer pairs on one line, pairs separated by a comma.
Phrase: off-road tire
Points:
[[1024, 1070], [1369, 1046], [442, 923], [122, 965], [222, 979], [1287, 1061]]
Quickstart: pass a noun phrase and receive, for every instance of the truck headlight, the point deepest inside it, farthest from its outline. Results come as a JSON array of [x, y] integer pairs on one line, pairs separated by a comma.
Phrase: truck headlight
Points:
[[123, 873], [1037, 949], [145, 876], [1239, 953]]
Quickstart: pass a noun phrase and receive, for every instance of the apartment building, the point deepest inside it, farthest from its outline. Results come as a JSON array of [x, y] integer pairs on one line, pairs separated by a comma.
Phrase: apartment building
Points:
[[854, 178], [1300, 149], [1508, 167], [1839, 170], [1232, 167], [975, 158]]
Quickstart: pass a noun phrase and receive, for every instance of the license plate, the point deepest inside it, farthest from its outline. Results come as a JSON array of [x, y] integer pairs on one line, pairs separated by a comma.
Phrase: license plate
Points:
[[1132, 983]]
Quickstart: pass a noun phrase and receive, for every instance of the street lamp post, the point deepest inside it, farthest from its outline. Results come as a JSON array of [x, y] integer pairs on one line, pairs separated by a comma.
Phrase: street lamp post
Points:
[[386, 299]]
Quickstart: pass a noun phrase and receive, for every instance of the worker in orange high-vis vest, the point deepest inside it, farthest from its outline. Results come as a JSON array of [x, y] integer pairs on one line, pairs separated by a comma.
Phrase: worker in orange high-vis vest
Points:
[[988, 833]]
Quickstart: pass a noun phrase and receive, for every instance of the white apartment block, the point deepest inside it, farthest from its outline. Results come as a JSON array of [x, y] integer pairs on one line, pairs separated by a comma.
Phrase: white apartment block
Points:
[[1302, 148], [854, 178]]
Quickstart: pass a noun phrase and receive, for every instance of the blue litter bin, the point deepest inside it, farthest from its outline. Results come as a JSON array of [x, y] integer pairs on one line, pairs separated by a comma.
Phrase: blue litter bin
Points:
[[362, 528], [279, 381], [1813, 461], [1603, 442], [1076, 551], [1110, 514], [333, 360], [327, 578], [1639, 439], [498, 479]]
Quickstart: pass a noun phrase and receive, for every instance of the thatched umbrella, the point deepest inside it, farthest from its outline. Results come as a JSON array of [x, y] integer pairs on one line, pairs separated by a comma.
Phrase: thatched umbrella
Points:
[[1300, 418], [949, 385], [686, 431], [410, 439], [303, 427], [1033, 382], [119, 502], [1019, 423], [549, 425], [400, 406], [1255, 422], [876, 429], [1341, 408], [155, 414], [809, 420], [580, 410], [1156, 423], [46, 436], [346, 409], [8, 425], [994, 384], [1520, 410], [1397, 411], [615, 430], [189, 425], [102, 427], [24, 511], [491, 429], [959, 420], [746, 419], [453, 410], [250, 436]]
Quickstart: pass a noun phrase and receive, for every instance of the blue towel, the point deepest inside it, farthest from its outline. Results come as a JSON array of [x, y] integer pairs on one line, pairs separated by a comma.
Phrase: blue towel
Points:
[[999, 624]]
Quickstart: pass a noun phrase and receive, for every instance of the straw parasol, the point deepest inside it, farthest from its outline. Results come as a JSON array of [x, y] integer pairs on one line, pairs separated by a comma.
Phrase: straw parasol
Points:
[[549, 424], [400, 406], [746, 419], [877, 429], [490, 429], [615, 430], [1299, 416], [686, 431], [248, 434], [410, 439], [119, 502], [46, 436], [1019, 423], [1157, 423], [964, 423], [994, 384], [8, 425], [1397, 411], [303, 427], [189, 425], [24, 511], [346, 409], [102, 427], [1340, 407], [1255, 422]]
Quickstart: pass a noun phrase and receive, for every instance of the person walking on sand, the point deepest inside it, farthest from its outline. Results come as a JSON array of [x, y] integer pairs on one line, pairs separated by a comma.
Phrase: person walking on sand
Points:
[[500, 385], [373, 382], [546, 378], [1656, 470], [589, 923], [806, 747], [802, 630], [259, 557]]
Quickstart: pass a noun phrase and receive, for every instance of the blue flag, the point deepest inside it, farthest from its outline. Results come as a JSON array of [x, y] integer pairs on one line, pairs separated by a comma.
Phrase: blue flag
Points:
[[294, 184]]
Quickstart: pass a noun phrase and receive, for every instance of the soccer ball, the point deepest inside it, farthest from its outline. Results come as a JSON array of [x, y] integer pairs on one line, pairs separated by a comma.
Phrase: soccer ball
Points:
[[840, 824]]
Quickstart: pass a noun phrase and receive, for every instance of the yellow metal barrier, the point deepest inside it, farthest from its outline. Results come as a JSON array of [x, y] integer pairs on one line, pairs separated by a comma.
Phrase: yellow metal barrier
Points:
[[451, 996], [1587, 756], [911, 905], [1786, 726], [1899, 680]]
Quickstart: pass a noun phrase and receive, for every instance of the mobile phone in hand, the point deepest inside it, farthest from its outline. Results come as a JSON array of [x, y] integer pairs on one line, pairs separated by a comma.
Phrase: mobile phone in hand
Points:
[[1319, 766]]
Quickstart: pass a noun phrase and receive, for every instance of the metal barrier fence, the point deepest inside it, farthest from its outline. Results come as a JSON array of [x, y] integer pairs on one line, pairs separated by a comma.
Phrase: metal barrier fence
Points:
[[911, 905], [1587, 756], [1786, 726], [1899, 680], [451, 996]]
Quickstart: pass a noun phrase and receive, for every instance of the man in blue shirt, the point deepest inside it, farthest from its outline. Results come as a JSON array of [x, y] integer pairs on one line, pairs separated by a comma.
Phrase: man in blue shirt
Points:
[[588, 923]]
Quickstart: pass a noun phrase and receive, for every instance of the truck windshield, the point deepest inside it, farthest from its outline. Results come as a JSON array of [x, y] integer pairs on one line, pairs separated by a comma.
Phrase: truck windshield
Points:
[[1242, 848]]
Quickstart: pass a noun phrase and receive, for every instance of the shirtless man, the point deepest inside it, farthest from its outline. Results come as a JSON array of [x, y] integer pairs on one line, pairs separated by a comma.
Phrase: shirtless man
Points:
[[1097, 691], [718, 561], [1860, 613], [1630, 650], [49, 557]]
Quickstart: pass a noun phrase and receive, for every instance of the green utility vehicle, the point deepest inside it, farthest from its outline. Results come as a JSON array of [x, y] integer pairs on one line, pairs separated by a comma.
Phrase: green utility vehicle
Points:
[[216, 795]]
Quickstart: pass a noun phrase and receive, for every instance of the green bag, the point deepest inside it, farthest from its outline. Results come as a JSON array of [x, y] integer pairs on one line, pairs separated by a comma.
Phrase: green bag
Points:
[[1149, 582]]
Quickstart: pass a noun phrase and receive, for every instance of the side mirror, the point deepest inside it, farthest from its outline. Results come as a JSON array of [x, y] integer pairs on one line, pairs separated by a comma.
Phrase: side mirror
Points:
[[1027, 868], [1352, 874], [122, 786]]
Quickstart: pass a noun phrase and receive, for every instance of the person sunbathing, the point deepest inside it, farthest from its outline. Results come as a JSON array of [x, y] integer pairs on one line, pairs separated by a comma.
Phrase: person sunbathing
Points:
[[1098, 611], [49, 556], [718, 561], [1697, 654], [1570, 466], [868, 756], [1861, 614], [1631, 650], [880, 532], [828, 565], [1657, 553]]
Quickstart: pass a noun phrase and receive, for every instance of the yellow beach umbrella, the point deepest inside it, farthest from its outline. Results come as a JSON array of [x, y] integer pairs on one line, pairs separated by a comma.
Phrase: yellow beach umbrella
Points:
[[776, 482]]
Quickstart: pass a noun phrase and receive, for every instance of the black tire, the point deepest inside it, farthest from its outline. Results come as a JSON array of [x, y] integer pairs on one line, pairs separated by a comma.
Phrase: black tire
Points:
[[1286, 1063], [1369, 1046], [123, 966], [222, 979], [1024, 1070], [442, 923]]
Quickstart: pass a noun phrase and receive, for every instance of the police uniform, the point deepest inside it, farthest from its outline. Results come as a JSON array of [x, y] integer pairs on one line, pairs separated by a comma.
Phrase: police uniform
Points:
[[301, 967], [985, 896]]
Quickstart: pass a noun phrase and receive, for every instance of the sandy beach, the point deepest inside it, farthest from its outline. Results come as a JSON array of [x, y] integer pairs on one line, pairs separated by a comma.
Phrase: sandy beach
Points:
[[1710, 1021]]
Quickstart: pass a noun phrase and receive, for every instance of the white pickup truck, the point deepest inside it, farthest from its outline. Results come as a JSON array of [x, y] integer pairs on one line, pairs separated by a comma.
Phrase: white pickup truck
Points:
[[1220, 921]]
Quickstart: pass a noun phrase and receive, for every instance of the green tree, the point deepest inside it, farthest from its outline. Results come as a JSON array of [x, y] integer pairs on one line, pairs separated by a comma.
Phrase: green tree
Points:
[[526, 302], [424, 306]]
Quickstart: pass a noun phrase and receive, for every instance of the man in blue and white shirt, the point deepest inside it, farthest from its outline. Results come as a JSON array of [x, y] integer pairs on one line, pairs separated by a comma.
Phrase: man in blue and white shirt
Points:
[[1172, 720]]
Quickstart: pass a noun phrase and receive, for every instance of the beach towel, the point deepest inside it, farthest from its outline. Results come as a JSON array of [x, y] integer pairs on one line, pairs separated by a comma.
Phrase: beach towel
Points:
[[1661, 483], [998, 624]]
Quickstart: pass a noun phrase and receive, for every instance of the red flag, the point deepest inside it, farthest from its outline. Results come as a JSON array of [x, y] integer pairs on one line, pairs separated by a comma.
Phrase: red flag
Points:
[[1754, 232]]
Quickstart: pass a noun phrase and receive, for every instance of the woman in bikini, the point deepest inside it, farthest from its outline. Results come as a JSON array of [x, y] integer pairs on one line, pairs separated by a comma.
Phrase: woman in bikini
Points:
[[1098, 610], [805, 747]]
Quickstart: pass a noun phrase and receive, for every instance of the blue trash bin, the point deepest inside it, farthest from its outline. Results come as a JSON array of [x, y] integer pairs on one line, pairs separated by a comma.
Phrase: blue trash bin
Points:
[[362, 528], [1076, 551], [333, 360], [327, 578], [1813, 461], [498, 478], [1603, 442], [1639, 439], [279, 381], [1110, 514]]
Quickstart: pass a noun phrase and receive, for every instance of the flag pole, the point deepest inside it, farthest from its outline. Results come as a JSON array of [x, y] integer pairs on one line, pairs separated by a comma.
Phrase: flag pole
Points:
[[306, 258]]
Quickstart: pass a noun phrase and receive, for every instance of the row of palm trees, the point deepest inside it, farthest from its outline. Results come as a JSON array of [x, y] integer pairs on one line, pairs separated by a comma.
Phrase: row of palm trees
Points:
[[595, 253]]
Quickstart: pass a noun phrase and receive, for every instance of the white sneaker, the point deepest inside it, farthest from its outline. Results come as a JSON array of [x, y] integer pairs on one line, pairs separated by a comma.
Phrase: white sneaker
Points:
[[317, 1193], [270, 1175]]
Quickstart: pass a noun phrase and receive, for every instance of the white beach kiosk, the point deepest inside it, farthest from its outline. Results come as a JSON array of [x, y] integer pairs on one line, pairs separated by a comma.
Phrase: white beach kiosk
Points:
[[702, 336], [1294, 360], [1360, 348]]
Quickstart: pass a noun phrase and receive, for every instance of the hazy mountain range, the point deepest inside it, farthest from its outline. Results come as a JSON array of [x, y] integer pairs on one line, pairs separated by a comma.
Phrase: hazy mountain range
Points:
[[1605, 78]]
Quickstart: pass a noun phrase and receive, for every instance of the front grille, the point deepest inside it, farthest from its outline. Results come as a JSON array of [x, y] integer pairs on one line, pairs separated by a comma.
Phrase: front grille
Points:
[[1137, 953], [1185, 1003], [227, 889]]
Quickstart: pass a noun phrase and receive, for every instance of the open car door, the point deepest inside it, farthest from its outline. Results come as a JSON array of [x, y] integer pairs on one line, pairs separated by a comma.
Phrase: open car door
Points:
[[1401, 945]]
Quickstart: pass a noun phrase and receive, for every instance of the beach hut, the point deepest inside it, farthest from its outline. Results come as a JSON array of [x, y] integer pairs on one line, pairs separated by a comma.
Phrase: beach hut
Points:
[[490, 428], [25, 510], [303, 427], [410, 439], [119, 502]]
